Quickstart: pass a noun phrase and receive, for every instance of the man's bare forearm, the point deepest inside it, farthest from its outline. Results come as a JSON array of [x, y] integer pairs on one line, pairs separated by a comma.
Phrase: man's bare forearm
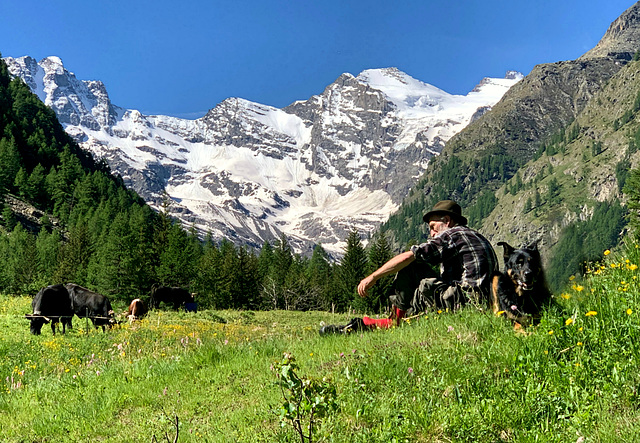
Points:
[[394, 265]]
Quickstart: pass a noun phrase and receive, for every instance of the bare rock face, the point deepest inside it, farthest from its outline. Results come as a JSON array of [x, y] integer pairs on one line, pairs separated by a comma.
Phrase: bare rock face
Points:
[[546, 100], [622, 39]]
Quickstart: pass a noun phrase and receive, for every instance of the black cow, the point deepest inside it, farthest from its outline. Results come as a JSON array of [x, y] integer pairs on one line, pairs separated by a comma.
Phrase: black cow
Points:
[[90, 304], [170, 295], [51, 304]]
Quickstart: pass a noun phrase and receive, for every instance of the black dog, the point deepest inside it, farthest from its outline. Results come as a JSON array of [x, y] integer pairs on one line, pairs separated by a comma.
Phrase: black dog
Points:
[[520, 291]]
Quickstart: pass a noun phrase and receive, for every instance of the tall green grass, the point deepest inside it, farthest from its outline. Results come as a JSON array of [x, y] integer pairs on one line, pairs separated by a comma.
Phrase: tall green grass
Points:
[[463, 376]]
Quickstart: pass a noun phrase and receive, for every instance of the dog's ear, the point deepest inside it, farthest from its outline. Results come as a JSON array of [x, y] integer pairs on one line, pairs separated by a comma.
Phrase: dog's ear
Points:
[[508, 249]]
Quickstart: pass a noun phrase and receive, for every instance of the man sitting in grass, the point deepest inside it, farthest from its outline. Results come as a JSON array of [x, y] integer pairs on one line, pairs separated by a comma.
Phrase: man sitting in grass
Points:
[[466, 260]]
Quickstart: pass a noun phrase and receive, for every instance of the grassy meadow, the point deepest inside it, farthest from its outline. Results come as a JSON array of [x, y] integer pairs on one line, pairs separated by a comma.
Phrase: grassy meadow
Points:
[[444, 377]]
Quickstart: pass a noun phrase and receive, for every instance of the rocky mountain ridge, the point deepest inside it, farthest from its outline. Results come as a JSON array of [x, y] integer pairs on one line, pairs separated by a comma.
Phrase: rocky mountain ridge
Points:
[[549, 154], [248, 172]]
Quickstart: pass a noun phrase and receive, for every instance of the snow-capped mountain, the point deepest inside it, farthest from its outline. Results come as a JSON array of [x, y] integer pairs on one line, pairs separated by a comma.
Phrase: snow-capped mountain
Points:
[[248, 172]]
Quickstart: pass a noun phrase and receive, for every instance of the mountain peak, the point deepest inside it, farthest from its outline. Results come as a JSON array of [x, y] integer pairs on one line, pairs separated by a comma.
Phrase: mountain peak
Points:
[[385, 78], [403, 90], [53, 60], [622, 39]]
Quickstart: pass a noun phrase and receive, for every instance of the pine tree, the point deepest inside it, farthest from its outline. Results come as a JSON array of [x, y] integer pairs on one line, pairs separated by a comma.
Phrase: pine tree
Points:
[[537, 200], [107, 268], [274, 282], [228, 274], [298, 293], [247, 285], [47, 251], [10, 161], [21, 186], [74, 257], [352, 269], [176, 267], [36, 185], [8, 217], [379, 253], [208, 280], [265, 259], [282, 260], [143, 256], [20, 266], [553, 192], [319, 276]]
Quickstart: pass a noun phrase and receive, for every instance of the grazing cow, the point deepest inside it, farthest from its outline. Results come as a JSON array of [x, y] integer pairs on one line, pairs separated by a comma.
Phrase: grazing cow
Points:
[[90, 304], [51, 301], [137, 309], [173, 296]]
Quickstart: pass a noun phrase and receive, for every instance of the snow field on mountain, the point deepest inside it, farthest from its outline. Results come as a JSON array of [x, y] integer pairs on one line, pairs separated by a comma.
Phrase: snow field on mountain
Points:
[[247, 169]]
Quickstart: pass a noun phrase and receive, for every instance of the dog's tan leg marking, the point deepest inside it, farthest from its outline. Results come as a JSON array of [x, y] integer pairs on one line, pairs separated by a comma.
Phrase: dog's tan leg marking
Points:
[[494, 295]]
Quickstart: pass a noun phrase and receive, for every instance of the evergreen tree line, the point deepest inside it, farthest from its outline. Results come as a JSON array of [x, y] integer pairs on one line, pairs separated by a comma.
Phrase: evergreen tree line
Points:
[[113, 252]]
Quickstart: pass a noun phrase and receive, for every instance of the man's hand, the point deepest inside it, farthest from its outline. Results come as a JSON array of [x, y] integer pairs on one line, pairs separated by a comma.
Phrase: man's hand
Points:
[[364, 285]]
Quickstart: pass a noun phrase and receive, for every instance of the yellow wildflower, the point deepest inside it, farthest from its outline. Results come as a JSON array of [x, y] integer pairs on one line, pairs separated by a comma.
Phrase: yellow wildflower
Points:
[[565, 296], [551, 332], [499, 313], [578, 288], [568, 321], [629, 312], [633, 267], [579, 343], [607, 252], [573, 277], [591, 313]]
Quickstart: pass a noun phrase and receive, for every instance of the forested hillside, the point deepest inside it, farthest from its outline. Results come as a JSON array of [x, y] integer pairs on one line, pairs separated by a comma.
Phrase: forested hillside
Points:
[[549, 161], [66, 218]]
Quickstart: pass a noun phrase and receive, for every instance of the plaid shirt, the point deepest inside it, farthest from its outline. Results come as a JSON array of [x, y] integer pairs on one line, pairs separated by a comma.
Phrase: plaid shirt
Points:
[[466, 258]]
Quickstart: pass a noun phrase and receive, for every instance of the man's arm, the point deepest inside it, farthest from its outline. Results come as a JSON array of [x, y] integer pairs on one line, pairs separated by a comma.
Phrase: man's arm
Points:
[[394, 265]]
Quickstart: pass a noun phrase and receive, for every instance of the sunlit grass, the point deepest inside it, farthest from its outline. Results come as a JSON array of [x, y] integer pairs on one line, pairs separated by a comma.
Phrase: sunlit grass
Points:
[[464, 376]]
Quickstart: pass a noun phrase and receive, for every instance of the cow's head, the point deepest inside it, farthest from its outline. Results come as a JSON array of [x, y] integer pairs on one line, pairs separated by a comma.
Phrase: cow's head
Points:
[[37, 323]]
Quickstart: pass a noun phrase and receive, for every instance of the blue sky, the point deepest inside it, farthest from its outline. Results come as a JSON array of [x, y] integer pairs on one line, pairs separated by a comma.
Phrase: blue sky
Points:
[[183, 58]]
